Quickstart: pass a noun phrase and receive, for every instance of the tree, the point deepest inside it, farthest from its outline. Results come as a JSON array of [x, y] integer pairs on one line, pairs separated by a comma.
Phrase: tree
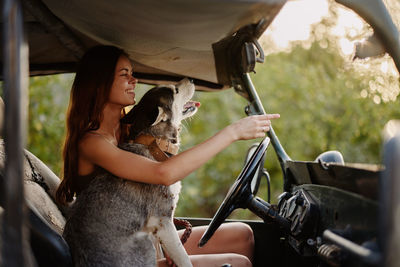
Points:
[[48, 101]]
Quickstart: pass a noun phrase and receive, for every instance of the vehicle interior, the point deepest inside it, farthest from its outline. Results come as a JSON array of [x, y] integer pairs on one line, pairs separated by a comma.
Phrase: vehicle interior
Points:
[[217, 46]]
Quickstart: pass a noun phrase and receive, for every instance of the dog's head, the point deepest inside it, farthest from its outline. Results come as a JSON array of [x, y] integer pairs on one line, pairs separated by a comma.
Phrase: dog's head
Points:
[[161, 110]]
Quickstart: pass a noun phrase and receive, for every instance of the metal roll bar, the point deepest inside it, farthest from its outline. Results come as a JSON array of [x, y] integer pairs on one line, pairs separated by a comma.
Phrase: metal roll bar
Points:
[[15, 246], [257, 108], [376, 14]]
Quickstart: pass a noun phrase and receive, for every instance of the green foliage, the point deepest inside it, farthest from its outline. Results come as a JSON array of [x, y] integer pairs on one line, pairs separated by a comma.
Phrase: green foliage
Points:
[[321, 105], [48, 102]]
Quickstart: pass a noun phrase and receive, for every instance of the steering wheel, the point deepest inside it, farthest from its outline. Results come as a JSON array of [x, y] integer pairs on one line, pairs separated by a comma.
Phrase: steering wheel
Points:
[[240, 192]]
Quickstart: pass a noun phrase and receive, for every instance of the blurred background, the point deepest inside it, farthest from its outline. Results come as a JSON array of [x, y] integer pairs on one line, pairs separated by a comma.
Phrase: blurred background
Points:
[[327, 101]]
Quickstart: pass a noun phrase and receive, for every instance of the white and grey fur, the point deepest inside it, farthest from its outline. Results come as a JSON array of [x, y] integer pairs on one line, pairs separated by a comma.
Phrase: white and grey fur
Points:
[[114, 221]]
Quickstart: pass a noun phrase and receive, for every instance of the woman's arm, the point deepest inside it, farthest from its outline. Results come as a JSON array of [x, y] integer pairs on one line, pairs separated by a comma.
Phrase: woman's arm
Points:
[[127, 165]]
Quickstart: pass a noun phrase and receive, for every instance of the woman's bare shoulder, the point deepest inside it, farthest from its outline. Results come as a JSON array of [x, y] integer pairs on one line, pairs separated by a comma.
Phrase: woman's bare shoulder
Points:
[[93, 142], [91, 138]]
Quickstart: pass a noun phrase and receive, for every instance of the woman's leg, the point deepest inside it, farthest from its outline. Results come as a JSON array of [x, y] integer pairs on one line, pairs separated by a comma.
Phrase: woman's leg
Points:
[[214, 260], [232, 243], [233, 237]]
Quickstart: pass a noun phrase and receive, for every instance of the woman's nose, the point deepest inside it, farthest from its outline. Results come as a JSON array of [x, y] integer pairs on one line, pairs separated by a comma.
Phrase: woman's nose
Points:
[[133, 79]]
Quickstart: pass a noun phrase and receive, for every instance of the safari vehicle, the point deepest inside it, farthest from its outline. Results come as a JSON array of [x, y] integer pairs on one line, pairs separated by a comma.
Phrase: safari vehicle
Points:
[[330, 213]]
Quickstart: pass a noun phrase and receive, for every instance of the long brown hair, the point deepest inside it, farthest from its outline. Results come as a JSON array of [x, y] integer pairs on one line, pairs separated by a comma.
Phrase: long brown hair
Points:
[[89, 94]]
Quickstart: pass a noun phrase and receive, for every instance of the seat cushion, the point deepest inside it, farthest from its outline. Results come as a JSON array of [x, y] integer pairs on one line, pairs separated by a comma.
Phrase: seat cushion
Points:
[[40, 185]]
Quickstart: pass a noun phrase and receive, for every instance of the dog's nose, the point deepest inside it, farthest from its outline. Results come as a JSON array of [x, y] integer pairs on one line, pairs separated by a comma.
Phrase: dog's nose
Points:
[[191, 80]]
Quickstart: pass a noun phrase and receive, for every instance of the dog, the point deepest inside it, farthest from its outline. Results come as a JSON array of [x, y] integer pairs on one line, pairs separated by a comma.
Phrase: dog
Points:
[[115, 222]]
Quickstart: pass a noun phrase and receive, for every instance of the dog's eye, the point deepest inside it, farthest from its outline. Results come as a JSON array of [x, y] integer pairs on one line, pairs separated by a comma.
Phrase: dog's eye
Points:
[[176, 90]]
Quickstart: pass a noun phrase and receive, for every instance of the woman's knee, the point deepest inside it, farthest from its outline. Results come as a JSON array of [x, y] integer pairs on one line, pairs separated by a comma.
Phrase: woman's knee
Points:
[[244, 233], [244, 240]]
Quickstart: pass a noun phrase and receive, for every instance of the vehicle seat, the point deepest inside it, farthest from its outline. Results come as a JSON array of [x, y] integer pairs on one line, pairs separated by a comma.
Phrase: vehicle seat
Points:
[[46, 220]]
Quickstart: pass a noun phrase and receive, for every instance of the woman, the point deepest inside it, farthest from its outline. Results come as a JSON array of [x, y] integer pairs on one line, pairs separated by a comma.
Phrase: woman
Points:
[[103, 86]]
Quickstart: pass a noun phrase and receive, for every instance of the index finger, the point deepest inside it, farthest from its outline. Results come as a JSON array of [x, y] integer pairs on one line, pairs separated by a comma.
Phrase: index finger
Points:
[[273, 116]]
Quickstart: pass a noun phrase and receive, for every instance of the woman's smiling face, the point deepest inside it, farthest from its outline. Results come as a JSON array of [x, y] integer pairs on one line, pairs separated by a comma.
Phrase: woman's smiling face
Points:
[[122, 89]]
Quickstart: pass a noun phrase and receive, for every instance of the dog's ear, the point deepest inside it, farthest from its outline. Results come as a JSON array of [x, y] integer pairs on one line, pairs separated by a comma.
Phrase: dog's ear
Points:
[[162, 116]]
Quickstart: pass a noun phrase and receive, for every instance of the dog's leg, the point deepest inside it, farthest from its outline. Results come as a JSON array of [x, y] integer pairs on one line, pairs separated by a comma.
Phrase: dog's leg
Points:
[[165, 231]]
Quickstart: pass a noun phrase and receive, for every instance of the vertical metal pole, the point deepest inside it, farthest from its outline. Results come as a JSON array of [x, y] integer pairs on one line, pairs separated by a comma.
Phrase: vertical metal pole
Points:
[[255, 100], [15, 247], [389, 219]]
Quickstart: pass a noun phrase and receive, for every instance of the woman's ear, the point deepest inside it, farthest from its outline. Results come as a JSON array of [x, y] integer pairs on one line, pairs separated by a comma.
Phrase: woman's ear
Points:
[[162, 116]]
